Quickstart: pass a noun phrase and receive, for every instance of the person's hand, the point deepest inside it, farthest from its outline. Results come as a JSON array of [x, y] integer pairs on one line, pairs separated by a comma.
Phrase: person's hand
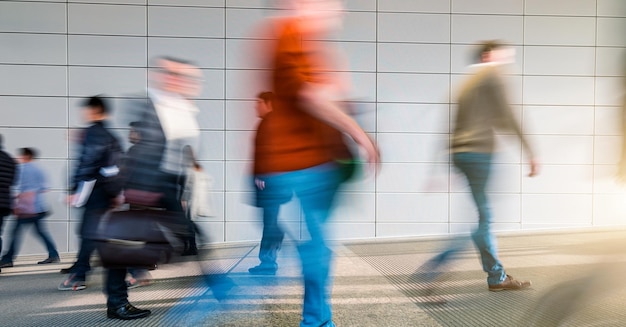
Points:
[[534, 168], [118, 200], [372, 154], [71, 198]]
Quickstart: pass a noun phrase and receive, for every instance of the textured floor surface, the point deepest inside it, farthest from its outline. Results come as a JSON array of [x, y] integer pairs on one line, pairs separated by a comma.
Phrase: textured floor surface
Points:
[[577, 281]]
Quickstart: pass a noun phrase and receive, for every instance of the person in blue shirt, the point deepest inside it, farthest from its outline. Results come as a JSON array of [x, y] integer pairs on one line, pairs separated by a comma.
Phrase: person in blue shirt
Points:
[[31, 180]]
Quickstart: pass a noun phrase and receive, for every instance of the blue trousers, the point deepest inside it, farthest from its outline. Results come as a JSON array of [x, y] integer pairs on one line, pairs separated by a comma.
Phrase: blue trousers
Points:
[[41, 230], [270, 197], [316, 188], [476, 167]]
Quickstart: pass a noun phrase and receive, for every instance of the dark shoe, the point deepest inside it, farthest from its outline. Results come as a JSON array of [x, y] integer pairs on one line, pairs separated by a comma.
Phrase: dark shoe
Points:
[[6, 264], [72, 284], [127, 312], [68, 270], [49, 260], [263, 270], [510, 284]]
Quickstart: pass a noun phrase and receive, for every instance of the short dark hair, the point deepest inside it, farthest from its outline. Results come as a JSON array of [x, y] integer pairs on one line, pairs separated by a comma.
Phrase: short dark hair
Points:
[[486, 47], [266, 96], [97, 102], [28, 152]]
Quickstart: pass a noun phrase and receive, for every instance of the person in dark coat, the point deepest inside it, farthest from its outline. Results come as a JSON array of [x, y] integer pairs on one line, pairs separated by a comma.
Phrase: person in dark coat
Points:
[[7, 176]]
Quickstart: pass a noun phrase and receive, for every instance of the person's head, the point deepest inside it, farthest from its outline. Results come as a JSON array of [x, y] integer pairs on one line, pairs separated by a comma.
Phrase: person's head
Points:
[[494, 51], [264, 103], [95, 109], [26, 155], [178, 76]]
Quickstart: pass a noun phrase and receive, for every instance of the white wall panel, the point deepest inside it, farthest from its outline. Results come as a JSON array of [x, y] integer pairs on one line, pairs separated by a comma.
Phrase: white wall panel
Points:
[[33, 111], [412, 208], [422, 6], [510, 7], [559, 61], [32, 17], [416, 118], [106, 19], [33, 80], [565, 179], [558, 120], [608, 120], [421, 88], [561, 7], [28, 48], [558, 90], [616, 8], [473, 28], [211, 145], [92, 50], [415, 58], [109, 81], [573, 31], [185, 22], [409, 27], [194, 3], [556, 208]]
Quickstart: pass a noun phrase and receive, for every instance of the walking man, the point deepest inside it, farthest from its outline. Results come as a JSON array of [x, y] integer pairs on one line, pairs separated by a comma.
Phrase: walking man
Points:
[[7, 175], [482, 108]]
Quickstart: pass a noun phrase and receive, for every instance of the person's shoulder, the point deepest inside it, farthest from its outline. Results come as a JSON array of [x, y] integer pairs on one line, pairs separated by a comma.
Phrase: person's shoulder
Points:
[[6, 159]]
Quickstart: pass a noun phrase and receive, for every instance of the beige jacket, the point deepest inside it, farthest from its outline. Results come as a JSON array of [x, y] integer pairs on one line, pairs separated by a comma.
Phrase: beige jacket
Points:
[[482, 108]]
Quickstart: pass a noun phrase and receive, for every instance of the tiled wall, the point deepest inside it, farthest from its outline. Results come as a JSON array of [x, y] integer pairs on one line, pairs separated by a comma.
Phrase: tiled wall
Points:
[[406, 59]]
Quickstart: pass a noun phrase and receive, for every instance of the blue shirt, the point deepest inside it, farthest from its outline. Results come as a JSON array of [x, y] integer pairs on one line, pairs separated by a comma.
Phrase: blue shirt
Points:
[[31, 178]]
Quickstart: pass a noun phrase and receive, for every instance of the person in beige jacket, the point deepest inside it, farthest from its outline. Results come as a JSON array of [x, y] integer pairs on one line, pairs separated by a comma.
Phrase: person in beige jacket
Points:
[[483, 108]]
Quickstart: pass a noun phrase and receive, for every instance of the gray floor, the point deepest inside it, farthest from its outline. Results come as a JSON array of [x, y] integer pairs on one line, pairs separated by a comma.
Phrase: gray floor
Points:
[[577, 281]]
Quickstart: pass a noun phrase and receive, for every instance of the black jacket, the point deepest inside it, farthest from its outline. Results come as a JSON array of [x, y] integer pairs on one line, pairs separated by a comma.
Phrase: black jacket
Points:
[[7, 176], [94, 155]]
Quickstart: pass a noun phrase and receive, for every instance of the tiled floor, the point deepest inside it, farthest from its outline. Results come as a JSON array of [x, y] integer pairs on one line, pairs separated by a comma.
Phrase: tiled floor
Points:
[[576, 282]]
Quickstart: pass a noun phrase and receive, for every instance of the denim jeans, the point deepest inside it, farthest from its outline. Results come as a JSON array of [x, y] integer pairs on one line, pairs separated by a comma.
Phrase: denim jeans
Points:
[[41, 230], [476, 168], [315, 187], [270, 197], [4, 212]]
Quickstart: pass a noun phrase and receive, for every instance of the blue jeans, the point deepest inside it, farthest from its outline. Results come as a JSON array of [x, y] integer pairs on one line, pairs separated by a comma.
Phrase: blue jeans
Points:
[[41, 230], [270, 198], [315, 187], [476, 168], [4, 212]]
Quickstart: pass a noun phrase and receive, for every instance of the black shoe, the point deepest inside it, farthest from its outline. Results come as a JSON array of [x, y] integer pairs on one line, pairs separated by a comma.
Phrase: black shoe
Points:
[[49, 260], [6, 264], [127, 312], [68, 270]]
